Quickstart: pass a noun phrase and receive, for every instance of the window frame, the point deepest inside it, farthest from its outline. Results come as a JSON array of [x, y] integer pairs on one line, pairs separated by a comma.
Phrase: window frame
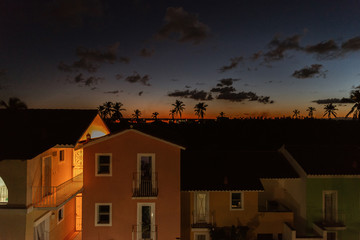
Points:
[[62, 209], [61, 155], [97, 207], [241, 200], [97, 155]]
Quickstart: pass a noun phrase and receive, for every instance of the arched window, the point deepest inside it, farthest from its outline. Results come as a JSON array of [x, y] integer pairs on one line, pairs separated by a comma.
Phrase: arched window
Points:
[[3, 192]]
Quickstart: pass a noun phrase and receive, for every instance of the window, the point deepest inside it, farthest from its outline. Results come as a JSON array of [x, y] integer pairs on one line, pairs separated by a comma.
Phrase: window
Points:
[[103, 164], [204, 235], [200, 237], [61, 155], [331, 236], [103, 214], [3, 193], [60, 215], [237, 201]]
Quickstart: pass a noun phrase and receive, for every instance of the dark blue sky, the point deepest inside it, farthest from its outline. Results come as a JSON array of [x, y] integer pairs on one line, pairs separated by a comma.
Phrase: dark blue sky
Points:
[[241, 57]]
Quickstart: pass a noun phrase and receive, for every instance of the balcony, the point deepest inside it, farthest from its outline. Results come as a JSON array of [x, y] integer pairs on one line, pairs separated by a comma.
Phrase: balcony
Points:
[[202, 220], [332, 222], [273, 206], [144, 232], [145, 185], [54, 196]]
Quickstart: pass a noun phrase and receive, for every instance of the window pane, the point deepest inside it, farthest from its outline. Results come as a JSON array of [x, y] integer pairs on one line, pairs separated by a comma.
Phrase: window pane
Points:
[[200, 237], [104, 218], [104, 209], [104, 159], [104, 169], [236, 200]]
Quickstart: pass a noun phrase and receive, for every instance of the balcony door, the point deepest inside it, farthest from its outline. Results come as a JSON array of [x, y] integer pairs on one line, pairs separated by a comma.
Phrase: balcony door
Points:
[[46, 176], [330, 206], [146, 171], [201, 207], [146, 229]]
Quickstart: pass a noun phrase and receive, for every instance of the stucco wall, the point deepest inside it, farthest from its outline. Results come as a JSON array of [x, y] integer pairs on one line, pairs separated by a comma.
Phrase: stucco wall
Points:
[[348, 197], [12, 224], [117, 189]]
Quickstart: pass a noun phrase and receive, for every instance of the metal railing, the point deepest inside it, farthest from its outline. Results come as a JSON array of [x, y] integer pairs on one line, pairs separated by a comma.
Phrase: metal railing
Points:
[[202, 220], [144, 232], [53, 196], [336, 219], [145, 185]]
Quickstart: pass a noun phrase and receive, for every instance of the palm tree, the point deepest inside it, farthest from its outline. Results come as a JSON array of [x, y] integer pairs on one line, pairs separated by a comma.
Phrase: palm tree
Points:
[[330, 110], [355, 110], [200, 109], [172, 114], [101, 111], [14, 103], [116, 111], [179, 106], [311, 111], [137, 114], [154, 115], [221, 114], [296, 113]]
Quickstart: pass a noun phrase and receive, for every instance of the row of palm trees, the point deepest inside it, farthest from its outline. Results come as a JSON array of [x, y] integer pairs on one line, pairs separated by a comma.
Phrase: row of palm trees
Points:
[[330, 110]]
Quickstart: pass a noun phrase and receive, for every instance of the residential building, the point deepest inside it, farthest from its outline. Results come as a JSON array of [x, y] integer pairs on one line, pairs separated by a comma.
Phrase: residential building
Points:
[[329, 194], [41, 174], [131, 187]]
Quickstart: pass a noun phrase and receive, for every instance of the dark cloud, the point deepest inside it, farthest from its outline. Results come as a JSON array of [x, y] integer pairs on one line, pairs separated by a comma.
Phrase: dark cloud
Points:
[[174, 80], [256, 56], [278, 47], [199, 83], [183, 26], [81, 80], [193, 94], [186, 86], [223, 89], [309, 72], [352, 44], [146, 52], [119, 76], [325, 49], [233, 63], [136, 78], [91, 59], [333, 100], [226, 82], [242, 96], [112, 92], [140, 93]]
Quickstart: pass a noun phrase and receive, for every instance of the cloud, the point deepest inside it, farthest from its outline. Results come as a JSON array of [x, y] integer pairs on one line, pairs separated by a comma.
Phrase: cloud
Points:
[[140, 93], [119, 76], [309, 72], [256, 55], [352, 44], [146, 52], [91, 59], [193, 94], [81, 80], [233, 63], [186, 86], [279, 47], [112, 92], [136, 78], [323, 49], [226, 82], [183, 26], [223, 89], [333, 100]]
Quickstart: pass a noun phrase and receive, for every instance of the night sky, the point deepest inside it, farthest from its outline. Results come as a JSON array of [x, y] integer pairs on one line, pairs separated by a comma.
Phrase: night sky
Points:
[[245, 58]]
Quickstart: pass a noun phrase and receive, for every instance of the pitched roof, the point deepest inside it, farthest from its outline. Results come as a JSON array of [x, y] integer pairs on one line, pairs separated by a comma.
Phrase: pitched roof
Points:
[[27, 133], [327, 159], [231, 170]]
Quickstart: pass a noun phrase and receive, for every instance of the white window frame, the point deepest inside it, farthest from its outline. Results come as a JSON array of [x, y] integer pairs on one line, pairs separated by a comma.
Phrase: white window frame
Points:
[[242, 201], [63, 214], [97, 155], [97, 215], [152, 155], [207, 210], [336, 203], [152, 205]]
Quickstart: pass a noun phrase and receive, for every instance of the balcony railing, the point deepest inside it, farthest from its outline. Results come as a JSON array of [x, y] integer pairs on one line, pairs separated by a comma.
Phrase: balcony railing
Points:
[[144, 232], [145, 185], [334, 222], [202, 220], [53, 196]]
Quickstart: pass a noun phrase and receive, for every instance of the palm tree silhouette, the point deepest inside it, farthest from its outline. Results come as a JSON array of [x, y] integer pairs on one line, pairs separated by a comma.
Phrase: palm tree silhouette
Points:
[[330, 110], [311, 111], [200, 109], [137, 114], [296, 113], [355, 110], [154, 115], [221, 114], [179, 106], [101, 109], [116, 111], [172, 114], [13, 103]]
